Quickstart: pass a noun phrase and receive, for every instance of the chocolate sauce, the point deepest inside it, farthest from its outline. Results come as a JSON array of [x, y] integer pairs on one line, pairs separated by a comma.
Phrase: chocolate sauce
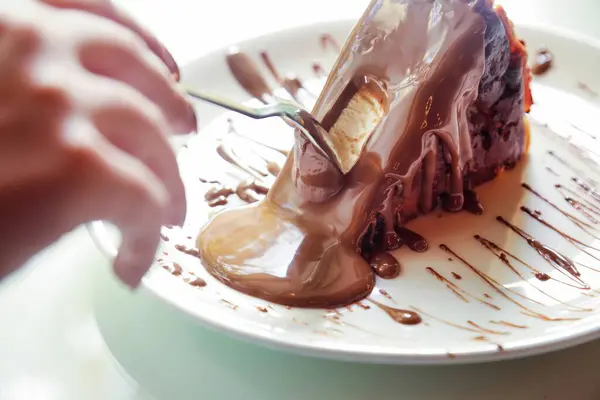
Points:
[[233, 130], [543, 61], [404, 317], [291, 84], [188, 250], [542, 276], [471, 202], [174, 269], [385, 265], [555, 259], [575, 242], [228, 155], [385, 294], [303, 245], [229, 304], [262, 309], [246, 72], [587, 188], [196, 282], [587, 89], [509, 324], [458, 291], [318, 70], [328, 42], [588, 210], [502, 290], [469, 327]]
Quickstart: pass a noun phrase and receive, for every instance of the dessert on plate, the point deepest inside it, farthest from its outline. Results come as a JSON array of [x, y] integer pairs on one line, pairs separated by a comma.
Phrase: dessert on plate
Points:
[[426, 101]]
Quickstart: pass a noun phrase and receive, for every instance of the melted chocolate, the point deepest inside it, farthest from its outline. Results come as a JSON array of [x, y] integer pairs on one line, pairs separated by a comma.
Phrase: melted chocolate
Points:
[[469, 327], [246, 72], [543, 61], [291, 84], [459, 292], [554, 258], [303, 245], [456, 276], [502, 290], [318, 70], [385, 294], [404, 317], [582, 208], [509, 324], [233, 130], [328, 42], [386, 266]]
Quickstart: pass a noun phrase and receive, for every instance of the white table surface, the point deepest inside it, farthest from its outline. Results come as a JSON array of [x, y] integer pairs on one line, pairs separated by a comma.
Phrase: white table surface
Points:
[[62, 313]]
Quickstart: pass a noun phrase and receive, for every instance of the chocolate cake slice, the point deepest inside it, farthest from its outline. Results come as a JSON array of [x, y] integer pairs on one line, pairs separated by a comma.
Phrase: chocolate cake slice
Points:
[[426, 101], [444, 156]]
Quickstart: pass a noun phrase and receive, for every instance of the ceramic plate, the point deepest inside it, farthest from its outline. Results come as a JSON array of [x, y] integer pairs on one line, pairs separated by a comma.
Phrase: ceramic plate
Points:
[[482, 302]]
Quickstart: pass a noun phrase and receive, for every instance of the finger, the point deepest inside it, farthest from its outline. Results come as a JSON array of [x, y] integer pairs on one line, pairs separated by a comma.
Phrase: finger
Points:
[[109, 184], [107, 10], [120, 62], [137, 126], [136, 133]]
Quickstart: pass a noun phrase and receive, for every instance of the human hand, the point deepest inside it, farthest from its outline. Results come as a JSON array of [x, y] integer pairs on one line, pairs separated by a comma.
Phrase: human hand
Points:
[[86, 104]]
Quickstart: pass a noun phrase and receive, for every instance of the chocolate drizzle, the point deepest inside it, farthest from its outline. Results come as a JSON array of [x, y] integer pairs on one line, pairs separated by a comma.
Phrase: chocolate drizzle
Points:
[[291, 84], [459, 292], [543, 62], [385, 265], [503, 291], [404, 317], [306, 244], [246, 72], [505, 256], [561, 263], [329, 42]]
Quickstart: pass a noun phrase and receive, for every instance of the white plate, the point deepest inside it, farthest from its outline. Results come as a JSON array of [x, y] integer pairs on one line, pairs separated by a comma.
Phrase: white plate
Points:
[[455, 329]]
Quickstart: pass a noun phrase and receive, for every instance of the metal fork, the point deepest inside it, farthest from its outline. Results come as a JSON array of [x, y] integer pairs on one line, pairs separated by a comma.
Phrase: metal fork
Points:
[[292, 113]]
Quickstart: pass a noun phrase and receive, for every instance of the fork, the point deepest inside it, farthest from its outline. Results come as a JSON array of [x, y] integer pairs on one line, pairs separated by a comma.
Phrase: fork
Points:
[[292, 113]]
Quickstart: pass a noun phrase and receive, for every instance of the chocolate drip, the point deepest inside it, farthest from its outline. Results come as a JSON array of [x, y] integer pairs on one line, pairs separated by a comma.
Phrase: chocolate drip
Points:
[[458, 291], [318, 70], [404, 317], [502, 291], [588, 210], [509, 324], [421, 151], [587, 188], [291, 84], [233, 130], [385, 265], [543, 62], [584, 226], [575, 242], [554, 258], [469, 327], [228, 155], [246, 72], [328, 41]]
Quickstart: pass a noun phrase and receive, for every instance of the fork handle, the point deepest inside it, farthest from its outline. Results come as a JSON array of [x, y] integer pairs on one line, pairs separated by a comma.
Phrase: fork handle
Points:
[[228, 104]]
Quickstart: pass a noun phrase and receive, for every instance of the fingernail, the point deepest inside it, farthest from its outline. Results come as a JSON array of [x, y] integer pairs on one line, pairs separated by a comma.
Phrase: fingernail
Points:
[[171, 64], [176, 215], [193, 120], [129, 270]]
